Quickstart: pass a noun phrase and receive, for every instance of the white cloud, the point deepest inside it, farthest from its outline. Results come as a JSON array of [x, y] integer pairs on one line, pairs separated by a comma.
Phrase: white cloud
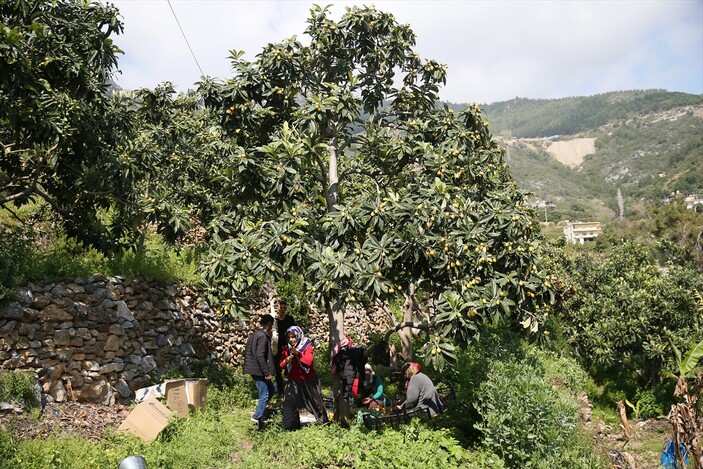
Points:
[[494, 50]]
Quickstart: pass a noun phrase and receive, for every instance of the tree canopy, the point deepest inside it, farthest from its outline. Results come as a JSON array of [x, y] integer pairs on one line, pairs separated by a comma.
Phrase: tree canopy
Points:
[[59, 129], [349, 173]]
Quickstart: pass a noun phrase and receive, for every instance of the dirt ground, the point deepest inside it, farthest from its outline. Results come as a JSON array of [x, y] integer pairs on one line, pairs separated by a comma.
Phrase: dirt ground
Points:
[[642, 450], [73, 418]]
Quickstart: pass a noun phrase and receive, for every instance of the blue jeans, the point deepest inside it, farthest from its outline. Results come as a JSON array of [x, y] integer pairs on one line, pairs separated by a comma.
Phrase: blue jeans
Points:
[[266, 389]]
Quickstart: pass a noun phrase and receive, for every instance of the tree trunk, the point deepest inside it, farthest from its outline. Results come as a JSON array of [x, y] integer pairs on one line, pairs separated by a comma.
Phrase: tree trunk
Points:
[[333, 179], [406, 334], [335, 313]]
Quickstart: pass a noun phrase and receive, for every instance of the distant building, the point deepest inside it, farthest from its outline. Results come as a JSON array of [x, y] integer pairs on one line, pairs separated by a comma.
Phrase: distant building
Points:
[[543, 203], [580, 231]]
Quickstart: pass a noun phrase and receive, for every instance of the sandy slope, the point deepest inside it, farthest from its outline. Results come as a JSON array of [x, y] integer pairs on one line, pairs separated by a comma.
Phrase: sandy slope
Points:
[[572, 152]]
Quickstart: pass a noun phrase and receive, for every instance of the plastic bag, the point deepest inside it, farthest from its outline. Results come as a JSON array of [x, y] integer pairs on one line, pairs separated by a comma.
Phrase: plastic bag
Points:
[[668, 459]]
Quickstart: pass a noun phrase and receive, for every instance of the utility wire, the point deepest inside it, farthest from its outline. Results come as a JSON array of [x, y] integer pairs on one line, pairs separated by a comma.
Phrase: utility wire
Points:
[[184, 37]]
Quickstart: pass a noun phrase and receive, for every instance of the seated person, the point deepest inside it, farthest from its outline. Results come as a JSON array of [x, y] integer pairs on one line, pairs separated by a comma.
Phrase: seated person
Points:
[[373, 386], [420, 393]]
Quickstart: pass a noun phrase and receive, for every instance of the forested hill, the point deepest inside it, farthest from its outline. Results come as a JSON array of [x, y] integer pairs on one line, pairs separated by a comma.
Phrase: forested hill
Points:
[[647, 144], [521, 117]]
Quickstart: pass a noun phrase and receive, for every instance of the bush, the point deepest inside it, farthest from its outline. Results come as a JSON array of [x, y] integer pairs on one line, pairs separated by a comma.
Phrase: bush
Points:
[[522, 416], [228, 388], [16, 259], [23, 259], [517, 402], [18, 386], [629, 311]]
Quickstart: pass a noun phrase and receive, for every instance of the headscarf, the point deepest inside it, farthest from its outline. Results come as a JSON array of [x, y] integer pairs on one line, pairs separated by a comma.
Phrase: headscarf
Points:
[[414, 365], [369, 377], [301, 344], [346, 342]]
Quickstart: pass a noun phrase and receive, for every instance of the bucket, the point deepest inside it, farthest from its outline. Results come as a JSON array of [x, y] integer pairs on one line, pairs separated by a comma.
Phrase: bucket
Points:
[[133, 462]]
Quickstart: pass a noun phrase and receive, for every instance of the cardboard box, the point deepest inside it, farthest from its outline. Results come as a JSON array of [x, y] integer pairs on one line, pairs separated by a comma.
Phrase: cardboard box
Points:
[[156, 390], [184, 395], [147, 420]]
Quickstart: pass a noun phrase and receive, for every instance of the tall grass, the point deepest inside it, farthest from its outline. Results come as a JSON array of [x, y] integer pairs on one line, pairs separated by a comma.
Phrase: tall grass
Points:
[[23, 259]]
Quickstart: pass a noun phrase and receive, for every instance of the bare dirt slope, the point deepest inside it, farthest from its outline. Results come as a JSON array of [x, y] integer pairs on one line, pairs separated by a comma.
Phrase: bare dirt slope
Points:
[[572, 152]]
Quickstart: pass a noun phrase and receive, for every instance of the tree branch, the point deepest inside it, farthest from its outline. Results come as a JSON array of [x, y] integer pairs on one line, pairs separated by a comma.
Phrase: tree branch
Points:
[[403, 325]]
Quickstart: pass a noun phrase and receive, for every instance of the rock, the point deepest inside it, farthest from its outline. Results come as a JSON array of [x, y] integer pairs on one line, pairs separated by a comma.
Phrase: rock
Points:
[[113, 343], [62, 337], [57, 391], [12, 310], [95, 391], [111, 368], [148, 364], [187, 350], [26, 296], [55, 313], [123, 312], [6, 328], [123, 388]]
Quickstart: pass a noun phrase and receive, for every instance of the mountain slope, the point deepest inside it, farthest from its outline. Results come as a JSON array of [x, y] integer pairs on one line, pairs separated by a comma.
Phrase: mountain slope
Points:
[[647, 144]]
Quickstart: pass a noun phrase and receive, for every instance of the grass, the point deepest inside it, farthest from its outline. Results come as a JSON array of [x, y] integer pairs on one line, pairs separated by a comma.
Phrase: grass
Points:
[[24, 257]]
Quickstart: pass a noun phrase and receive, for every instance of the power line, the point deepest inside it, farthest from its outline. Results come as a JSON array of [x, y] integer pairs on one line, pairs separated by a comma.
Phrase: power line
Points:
[[185, 38]]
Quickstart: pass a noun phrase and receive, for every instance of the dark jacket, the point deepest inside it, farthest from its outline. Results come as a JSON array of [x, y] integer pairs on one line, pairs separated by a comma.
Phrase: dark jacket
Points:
[[282, 326], [258, 358]]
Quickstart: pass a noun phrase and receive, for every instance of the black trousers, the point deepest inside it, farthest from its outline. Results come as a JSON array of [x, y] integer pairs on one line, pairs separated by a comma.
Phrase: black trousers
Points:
[[279, 374], [299, 394]]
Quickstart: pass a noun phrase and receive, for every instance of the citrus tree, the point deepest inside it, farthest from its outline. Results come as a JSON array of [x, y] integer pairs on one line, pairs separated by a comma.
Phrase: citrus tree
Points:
[[348, 172], [60, 132], [630, 310]]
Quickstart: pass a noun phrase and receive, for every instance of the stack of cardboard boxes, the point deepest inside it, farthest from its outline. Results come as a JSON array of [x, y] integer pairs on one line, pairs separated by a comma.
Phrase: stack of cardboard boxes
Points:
[[150, 416]]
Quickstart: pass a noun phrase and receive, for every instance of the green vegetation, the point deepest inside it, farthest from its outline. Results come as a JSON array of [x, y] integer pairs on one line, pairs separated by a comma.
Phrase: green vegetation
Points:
[[568, 116], [304, 141], [222, 435], [60, 133], [648, 145], [327, 168], [18, 387], [26, 255]]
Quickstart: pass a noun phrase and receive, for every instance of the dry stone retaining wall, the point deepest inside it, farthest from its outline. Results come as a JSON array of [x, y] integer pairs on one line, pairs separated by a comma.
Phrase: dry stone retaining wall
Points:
[[101, 338]]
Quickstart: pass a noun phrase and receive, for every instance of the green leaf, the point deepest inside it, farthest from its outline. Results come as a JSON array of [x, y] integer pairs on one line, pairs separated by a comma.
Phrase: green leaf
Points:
[[690, 361]]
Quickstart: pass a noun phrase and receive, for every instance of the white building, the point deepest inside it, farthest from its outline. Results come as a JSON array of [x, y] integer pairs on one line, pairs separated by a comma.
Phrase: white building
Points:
[[580, 231]]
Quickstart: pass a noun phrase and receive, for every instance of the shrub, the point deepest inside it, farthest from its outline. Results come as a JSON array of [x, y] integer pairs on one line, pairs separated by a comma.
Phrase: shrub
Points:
[[629, 310], [522, 416], [18, 386], [292, 291], [16, 259], [228, 388]]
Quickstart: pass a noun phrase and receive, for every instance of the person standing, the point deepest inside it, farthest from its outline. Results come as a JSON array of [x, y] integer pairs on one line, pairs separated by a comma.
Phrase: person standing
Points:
[[258, 362], [302, 388], [283, 322]]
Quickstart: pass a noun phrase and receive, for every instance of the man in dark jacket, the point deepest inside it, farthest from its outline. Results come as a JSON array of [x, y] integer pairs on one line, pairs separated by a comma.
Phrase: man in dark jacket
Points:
[[258, 362], [283, 322]]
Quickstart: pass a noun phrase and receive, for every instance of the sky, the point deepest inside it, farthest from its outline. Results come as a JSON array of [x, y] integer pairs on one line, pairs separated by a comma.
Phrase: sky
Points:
[[495, 50]]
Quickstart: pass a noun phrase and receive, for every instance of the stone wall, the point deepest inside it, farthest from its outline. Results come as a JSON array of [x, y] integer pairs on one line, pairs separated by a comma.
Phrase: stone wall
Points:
[[99, 339]]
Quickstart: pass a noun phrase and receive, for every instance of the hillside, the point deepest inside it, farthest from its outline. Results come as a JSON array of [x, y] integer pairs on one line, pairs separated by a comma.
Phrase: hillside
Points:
[[577, 152]]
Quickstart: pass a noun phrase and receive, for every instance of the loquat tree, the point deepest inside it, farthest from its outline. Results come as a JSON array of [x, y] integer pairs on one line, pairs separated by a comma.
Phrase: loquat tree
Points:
[[60, 131], [347, 171]]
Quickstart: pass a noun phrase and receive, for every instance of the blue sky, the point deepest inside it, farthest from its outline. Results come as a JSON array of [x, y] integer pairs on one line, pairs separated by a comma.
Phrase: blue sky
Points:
[[495, 50]]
